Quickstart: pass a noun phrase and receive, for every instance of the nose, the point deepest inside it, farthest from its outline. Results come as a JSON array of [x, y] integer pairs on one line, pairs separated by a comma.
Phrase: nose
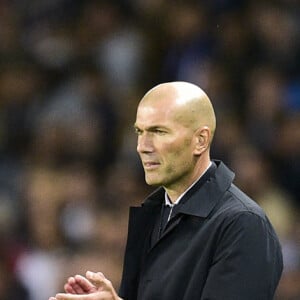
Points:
[[144, 143]]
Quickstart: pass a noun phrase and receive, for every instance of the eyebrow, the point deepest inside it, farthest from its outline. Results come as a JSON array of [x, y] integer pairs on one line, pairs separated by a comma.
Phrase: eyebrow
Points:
[[150, 128]]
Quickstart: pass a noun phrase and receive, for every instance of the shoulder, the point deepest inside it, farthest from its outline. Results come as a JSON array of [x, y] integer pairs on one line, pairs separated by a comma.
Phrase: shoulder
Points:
[[242, 202], [235, 202], [238, 210]]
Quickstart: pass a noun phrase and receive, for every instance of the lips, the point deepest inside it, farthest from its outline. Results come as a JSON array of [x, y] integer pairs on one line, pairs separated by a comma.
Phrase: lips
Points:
[[150, 165]]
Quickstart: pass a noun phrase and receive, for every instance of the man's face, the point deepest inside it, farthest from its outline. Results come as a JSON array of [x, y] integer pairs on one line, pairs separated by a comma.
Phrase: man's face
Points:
[[165, 146]]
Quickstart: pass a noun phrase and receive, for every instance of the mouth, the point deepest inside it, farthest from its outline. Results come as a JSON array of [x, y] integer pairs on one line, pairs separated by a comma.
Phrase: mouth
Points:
[[149, 165]]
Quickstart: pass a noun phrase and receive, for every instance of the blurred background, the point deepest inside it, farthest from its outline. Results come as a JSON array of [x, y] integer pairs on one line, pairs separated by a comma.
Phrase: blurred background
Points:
[[71, 75]]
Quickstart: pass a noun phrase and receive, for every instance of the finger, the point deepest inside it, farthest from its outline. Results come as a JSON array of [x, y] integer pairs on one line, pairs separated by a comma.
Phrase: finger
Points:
[[69, 287], [78, 284], [84, 284], [62, 296], [103, 284], [102, 295], [72, 287], [52, 298], [98, 279]]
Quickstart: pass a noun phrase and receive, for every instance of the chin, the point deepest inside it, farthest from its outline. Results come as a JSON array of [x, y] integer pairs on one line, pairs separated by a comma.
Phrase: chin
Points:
[[152, 182]]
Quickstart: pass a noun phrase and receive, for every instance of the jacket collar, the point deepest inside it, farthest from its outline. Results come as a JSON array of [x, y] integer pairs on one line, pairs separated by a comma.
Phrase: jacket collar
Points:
[[199, 201]]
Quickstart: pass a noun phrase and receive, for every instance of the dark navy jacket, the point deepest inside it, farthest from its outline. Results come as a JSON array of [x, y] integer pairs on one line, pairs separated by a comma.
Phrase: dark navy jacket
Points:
[[220, 246]]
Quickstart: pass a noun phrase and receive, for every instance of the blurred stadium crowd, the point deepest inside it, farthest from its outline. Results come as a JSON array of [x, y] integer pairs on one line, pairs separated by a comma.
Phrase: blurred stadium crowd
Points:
[[71, 75]]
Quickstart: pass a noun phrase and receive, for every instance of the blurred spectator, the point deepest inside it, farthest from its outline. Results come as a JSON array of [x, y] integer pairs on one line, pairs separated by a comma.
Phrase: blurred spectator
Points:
[[276, 30], [78, 122], [189, 41], [264, 106], [287, 154], [10, 287], [19, 89], [107, 33], [71, 73], [41, 254]]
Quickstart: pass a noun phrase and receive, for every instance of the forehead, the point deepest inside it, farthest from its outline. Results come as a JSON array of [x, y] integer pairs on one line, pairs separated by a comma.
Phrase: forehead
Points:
[[153, 114], [166, 105]]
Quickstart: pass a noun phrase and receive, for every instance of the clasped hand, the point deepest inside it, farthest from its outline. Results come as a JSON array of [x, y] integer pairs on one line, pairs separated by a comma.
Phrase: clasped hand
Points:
[[95, 286]]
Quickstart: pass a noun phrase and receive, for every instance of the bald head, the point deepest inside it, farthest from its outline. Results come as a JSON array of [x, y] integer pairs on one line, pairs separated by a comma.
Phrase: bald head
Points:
[[185, 102]]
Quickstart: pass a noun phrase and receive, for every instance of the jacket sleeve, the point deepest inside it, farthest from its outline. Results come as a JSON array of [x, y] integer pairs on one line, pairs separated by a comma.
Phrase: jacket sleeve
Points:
[[247, 263]]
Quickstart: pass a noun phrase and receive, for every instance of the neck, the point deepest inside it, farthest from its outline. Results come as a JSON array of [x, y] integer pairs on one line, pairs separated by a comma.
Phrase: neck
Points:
[[175, 192]]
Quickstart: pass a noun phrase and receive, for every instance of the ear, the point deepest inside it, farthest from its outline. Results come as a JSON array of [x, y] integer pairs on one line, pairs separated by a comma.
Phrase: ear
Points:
[[202, 140]]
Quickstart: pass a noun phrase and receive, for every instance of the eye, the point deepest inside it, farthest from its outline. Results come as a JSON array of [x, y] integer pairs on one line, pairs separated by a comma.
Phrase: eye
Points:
[[138, 131], [160, 131]]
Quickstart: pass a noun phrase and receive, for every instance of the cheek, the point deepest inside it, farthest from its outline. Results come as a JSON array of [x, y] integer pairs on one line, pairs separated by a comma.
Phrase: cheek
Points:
[[179, 155], [175, 148], [183, 149]]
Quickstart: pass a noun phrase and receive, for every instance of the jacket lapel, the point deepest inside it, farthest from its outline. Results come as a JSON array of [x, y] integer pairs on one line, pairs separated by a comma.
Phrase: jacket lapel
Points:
[[201, 201]]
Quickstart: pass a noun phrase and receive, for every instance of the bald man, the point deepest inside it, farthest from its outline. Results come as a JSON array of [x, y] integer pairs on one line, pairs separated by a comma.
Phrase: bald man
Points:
[[197, 236]]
